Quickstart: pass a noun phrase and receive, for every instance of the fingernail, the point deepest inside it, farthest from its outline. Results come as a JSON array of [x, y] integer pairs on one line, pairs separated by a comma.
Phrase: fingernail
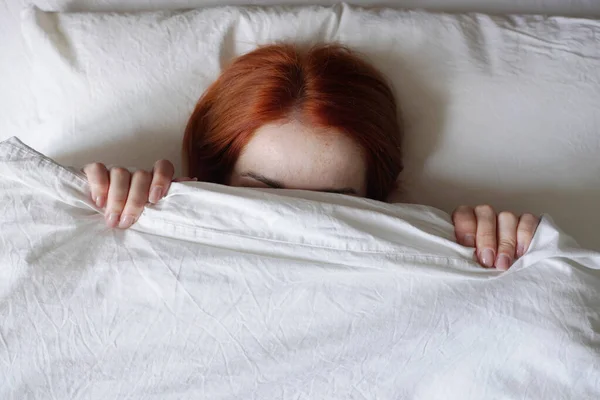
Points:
[[195, 179], [112, 220], [487, 258], [520, 250], [503, 262], [155, 194], [470, 241], [126, 221], [100, 201]]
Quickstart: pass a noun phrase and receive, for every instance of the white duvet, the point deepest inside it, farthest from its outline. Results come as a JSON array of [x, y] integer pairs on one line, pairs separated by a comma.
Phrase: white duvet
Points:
[[230, 293]]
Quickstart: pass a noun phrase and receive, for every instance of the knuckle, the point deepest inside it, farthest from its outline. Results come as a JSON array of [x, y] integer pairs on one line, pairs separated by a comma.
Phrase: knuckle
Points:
[[95, 171], [117, 199], [462, 210], [528, 223], [142, 174], [163, 162], [486, 236], [484, 209], [119, 172], [507, 243], [117, 194], [528, 217], [96, 167], [507, 215]]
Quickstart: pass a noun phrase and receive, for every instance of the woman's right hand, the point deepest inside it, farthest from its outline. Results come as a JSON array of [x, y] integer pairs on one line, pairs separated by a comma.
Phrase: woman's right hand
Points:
[[125, 194]]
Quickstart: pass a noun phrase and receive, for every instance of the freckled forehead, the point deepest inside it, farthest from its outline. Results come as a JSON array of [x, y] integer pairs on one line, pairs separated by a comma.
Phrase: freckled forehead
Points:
[[293, 138], [304, 156]]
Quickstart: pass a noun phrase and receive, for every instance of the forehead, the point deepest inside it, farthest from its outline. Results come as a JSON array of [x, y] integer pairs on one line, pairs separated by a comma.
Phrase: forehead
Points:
[[304, 157]]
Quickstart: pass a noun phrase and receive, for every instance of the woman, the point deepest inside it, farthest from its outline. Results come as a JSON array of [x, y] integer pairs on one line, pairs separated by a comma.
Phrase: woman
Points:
[[321, 119]]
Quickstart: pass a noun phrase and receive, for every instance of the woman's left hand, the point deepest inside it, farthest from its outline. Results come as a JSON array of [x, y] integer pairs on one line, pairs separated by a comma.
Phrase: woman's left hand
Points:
[[498, 238]]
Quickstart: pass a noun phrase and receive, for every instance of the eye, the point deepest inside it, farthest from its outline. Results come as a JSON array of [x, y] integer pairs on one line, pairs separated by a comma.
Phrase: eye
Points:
[[253, 184]]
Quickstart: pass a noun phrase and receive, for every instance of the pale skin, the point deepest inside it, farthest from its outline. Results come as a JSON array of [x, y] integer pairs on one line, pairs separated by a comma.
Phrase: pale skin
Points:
[[292, 155]]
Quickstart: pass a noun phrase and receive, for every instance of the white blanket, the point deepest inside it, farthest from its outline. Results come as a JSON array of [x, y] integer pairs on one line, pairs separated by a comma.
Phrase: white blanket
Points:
[[230, 293]]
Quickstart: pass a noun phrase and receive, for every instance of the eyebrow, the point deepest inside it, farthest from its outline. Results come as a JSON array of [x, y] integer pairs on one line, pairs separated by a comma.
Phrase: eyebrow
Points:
[[278, 185]]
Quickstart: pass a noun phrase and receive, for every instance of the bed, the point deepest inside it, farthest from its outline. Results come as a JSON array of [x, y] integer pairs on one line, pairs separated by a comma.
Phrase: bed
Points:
[[297, 294]]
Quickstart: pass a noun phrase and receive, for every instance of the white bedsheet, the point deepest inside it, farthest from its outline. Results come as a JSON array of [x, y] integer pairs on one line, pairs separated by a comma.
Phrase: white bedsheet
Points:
[[230, 293]]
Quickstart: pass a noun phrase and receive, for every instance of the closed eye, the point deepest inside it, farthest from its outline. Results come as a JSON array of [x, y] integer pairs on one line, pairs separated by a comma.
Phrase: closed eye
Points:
[[260, 178], [340, 191], [278, 185]]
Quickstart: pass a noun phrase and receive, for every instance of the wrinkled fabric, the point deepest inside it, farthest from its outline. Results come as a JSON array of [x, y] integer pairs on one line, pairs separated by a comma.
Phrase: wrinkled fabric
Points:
[[231, 293]]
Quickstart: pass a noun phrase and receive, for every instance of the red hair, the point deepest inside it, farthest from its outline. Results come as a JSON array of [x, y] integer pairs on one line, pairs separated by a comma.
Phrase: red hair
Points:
[[327, 86]]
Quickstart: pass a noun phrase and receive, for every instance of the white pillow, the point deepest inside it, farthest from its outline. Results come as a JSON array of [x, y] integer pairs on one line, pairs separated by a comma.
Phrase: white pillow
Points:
[[554, 7], [500, 110]]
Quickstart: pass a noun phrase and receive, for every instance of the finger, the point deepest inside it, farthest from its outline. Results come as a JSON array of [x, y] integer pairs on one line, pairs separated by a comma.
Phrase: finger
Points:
[[136, 198], [161, 180], [528, 224], [97, 176], [485, 238], [117, 195], [465, 225], [507, 239]]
